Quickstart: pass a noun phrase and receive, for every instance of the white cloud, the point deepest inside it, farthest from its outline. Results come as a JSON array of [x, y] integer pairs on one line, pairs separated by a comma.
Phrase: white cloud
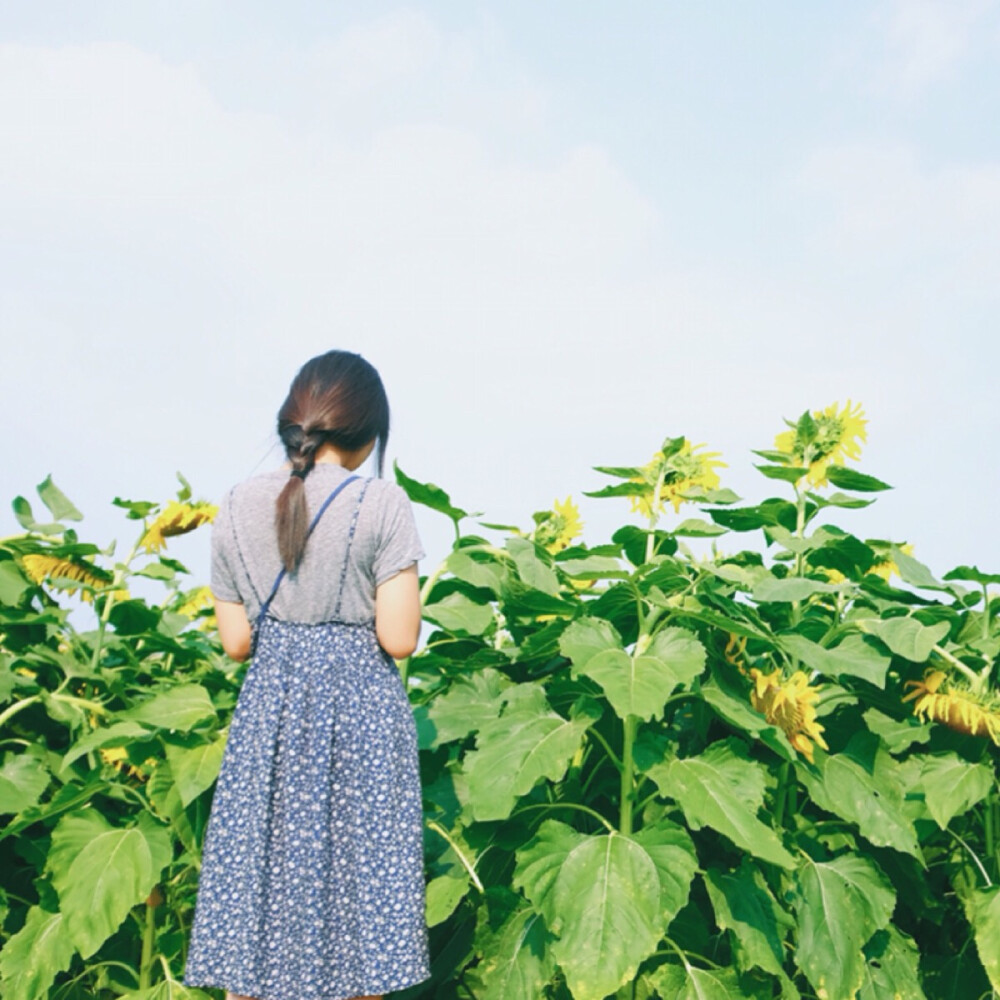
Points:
[[926, 39]]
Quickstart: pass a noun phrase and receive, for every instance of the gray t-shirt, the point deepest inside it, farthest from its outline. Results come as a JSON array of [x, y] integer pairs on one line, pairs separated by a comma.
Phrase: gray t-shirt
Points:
[[245, 558]]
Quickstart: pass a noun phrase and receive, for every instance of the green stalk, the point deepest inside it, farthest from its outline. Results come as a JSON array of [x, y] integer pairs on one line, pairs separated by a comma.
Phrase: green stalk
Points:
[[653, 514], [148, 940], [9, 713], [628, 776], [986, 612], [109, 602], [781, 795]]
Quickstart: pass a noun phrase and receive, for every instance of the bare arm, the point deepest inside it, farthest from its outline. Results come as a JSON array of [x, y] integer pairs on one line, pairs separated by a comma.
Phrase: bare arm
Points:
[[234, 629], [397, 613]]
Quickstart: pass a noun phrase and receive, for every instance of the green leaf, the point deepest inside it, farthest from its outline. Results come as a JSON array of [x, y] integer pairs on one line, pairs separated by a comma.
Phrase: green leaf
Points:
[[849, 479], [429, 495], [952, 786], [478, 574], [57, 502], [861, 786], [112, 869], [514, 752], [744, 906], [695, 527], [639, 684], [619, 471], [539, 863], [678, 982], [195, 768], [460, 614], [133, 617], [23, 778], [469, 704], [592, 568], [166, 801], [854, 657], [793, 588], [913, 571], [983, 909], [891, 968], [13, 585], [26, 518], [117, 734], [35, 955], [179, 708], [897, 734], [530, 567], [620, 490], [444, 893], [672, 852], [840, 904], [606, 911], [972, 574], [723, 790], [906, 636], [839, 500], [515, 963], [787, 473], [724, 701]]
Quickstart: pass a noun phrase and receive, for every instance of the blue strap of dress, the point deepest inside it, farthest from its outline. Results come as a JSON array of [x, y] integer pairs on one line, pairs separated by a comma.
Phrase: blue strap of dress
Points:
[[281, 575]]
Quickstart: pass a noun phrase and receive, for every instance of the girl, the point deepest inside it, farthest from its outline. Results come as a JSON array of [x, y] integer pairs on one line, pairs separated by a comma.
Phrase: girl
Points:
[[311, 886]]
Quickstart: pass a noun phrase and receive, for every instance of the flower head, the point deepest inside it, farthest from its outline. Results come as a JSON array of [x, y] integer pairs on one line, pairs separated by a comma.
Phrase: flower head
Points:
[[829, 438], [62, 572], [788, 703], [559, 526], [195, 601], [685, 470], [937, 697], [177, 518]]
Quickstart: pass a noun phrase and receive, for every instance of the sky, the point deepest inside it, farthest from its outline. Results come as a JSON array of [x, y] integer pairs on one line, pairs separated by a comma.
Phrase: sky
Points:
[[561, 232]]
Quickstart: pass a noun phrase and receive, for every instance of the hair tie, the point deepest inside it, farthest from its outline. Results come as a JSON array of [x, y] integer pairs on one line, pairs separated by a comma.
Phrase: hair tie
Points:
[[301, 473]]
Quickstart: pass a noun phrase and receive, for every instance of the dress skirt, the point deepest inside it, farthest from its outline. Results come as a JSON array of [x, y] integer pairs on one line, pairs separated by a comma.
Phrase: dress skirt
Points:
[[312, 882]]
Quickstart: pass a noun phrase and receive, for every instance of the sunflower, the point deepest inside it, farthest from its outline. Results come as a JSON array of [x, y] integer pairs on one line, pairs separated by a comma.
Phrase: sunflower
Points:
[[788, 703], [559, 526], [61, 573], [887, 567], [177, 518], [955, 707], [685, 470], [838, 436]]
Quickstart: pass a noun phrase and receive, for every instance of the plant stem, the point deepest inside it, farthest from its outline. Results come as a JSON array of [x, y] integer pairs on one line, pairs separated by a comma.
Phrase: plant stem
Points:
[[442, 832], [148, 939], [978, 682], [10, 712], [781, 795], [628, 776], [567, 805]]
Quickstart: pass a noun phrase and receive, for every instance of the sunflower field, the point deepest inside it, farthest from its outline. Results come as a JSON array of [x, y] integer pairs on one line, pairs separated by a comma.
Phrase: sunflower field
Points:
[[733, 751]]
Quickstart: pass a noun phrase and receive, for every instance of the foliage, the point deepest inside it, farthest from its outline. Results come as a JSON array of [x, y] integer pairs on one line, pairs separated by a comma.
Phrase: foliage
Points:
[[652, 767]]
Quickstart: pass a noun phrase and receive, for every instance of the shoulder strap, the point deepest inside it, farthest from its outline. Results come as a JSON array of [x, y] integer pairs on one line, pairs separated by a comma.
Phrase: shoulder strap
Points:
[[315, 521]]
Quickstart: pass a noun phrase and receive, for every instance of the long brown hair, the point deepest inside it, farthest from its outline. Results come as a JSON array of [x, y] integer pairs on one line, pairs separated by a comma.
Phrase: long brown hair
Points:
[[336, 397]]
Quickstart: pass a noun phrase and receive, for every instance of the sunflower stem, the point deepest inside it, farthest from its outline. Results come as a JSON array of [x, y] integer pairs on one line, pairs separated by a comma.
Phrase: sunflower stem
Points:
[[781, 795], [628, 776], [986, 612], [978, 682]]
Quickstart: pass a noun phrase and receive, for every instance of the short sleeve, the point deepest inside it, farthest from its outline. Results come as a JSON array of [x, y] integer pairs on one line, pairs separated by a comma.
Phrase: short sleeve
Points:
[[223, 580], [399, 544]]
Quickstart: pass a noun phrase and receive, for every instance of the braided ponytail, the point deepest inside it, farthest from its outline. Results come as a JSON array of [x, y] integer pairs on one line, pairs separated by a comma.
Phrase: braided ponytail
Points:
[[337, 397]]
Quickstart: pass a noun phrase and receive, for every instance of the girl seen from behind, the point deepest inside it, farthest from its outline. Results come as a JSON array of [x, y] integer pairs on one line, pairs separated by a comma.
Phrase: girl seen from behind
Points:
[[311, 886]]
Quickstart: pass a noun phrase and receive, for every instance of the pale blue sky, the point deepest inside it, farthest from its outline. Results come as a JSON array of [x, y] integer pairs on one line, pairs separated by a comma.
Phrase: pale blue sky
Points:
[[561, 231]]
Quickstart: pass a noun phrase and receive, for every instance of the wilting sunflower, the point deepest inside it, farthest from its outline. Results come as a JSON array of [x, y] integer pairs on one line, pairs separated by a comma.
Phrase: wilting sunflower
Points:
[[59, 571], [686, 470], [839, 435], [195, 601], [559, 526], [953, 706], [177, 518], [788, 703]]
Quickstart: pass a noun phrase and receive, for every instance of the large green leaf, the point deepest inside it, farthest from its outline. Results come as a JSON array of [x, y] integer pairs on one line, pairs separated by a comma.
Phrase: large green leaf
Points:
[[429, 495], [525, 744], [606, 899], [100, 872], [678, 982], [722, 789], [530, 567], [515, 962], [479, 574], [178, 708], [983, 909], [35, 955], [23, 778], [891, 968], [117, 734], [469, 704], [854, 657], [196, 768], [906, 636], [840, 904], [459, 613], [539, 863], [444, 893], [793, 588], [166, 801], [861, 785], [672, 851], [952, 786], [744, 906], [849, 479], [58, 503], [637, 684], [13, 584]]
